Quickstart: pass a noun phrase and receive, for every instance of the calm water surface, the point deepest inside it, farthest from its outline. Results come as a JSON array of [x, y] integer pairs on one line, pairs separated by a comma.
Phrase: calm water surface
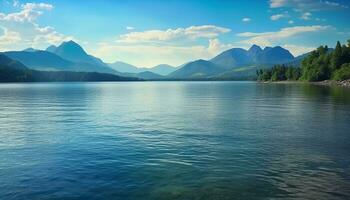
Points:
[[174, 140]]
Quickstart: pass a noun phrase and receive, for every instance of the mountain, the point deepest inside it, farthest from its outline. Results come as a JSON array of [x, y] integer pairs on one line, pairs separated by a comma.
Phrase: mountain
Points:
[[69, 56], [30, 50], [147, 75], [11, 70], [196, 69], [8, 63], [40, 60], [124, 67], [274, 55], [233, 63], [238, 57], [14, 71], [73, 52], [47, 61], [232, 58], [51, 48], [162, 69]]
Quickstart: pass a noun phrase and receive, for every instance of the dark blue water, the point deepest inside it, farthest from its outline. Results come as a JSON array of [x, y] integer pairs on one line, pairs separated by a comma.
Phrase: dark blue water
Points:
[[174, 140]]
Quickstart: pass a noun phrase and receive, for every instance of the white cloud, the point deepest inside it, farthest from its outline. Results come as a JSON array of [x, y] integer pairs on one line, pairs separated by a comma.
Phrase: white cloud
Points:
[[193, 32], [215, 46], [246, 19], [29, 12], [277, 17], [24, 23], [310, 5], [130, 28], [290, 22], [9, 38], [33, 6], [306, 16], [269, 38]]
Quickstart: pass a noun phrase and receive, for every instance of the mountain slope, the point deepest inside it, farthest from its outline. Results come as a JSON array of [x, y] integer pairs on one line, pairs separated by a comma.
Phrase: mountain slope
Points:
[[232, 58], [147, 75], [8, 63], [47, 61], [40, 60], [73, 52], [124, 67], [162, 69], [14, 71], [196, 69], [274, 55]]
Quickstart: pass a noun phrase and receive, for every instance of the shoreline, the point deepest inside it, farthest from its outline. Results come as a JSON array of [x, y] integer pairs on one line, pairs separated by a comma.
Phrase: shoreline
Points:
[[344, 83]]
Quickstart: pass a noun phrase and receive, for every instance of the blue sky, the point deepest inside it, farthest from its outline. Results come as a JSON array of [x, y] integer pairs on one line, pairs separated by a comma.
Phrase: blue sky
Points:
[[147, 33]]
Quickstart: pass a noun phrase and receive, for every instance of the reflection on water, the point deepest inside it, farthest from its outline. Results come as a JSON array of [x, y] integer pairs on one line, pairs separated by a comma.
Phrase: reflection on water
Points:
[[174, 140]]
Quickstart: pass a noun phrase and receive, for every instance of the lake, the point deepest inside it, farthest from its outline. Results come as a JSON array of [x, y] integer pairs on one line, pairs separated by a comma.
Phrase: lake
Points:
[[174, 140]]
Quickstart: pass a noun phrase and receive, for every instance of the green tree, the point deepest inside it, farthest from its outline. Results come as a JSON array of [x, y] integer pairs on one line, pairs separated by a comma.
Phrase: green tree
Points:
[[336, 57]]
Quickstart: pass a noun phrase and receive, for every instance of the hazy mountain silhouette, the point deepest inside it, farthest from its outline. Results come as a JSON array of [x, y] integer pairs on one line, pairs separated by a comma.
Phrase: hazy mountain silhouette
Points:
[[14, 71], [162, 69], [69, 56], [40, 60], [147, 75], [124, 67], [197, 69]]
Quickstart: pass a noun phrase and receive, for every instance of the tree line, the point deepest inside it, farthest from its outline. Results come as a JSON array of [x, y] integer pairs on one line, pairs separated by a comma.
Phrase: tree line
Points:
[[321, 64]]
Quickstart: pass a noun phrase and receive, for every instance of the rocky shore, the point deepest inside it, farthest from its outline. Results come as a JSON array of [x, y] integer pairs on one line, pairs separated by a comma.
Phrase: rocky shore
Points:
[[344, 83]]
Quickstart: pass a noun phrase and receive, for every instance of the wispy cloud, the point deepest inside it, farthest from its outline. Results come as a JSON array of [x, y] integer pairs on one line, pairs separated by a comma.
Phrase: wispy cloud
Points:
[[29, 12], [246, 19], [311, 5], [306, 16], [9, 38], [193, 32], [269, 38], [130, 28], [278, 16]]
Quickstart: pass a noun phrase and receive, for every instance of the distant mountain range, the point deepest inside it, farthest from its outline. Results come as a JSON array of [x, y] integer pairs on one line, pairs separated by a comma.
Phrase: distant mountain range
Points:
[[235, 63], [14, 71], [60, 59], [162, 69]]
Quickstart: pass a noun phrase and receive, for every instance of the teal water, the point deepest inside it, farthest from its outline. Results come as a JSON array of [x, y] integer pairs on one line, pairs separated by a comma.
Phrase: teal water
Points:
[[174, 140]]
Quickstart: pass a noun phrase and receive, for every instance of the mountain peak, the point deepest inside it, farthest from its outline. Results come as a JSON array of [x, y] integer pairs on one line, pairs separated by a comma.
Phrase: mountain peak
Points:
[[51, 48], [30, 49], [72, 51], [255, 47], [70, 42]]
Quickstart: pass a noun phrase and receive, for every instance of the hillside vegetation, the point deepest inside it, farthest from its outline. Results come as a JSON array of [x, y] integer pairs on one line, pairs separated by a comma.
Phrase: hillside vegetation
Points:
[[321, 64]]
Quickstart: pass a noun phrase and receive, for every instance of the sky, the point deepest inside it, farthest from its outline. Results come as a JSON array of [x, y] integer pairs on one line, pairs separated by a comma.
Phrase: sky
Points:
[[151, 32]]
